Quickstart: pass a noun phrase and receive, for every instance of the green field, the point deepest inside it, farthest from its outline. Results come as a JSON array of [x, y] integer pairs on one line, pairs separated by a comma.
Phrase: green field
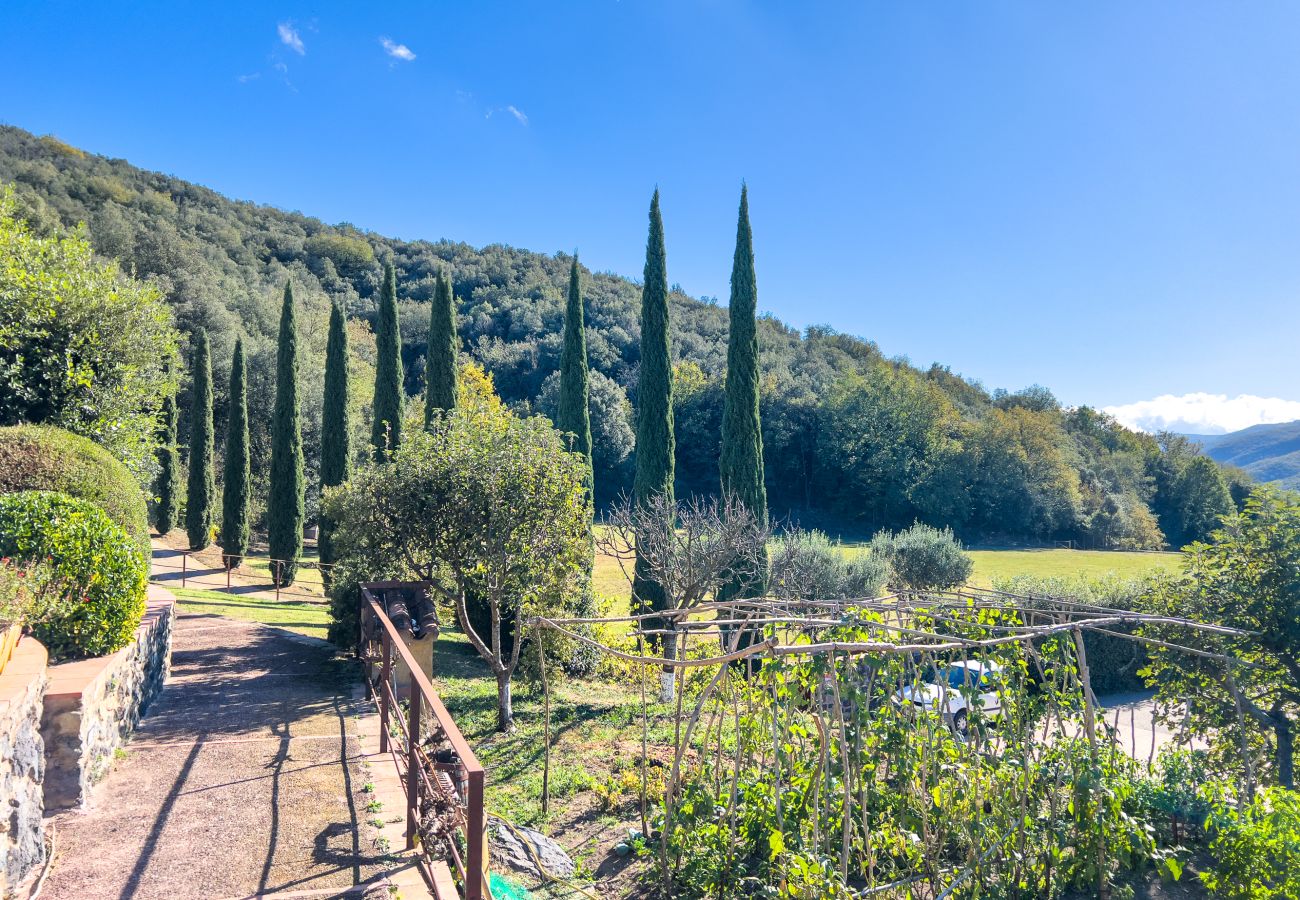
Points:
[[991, 564]]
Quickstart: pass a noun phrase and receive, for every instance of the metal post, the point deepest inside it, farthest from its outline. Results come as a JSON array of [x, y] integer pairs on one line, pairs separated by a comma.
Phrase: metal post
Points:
[[413, 767], [385, 684], [229, 560], [277, 579], [474, 828], [184, 558]]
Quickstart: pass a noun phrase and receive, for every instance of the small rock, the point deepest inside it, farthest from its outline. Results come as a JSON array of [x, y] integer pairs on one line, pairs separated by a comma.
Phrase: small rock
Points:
[[508, 848]]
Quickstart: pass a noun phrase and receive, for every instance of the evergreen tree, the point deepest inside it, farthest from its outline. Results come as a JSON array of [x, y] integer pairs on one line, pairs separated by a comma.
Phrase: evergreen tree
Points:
[[234, 487], [386, 429], [284, 507], [201, 488], [440, 361], [336, 449], [169, 470], [741, 461], [654, 420], [573, 415]]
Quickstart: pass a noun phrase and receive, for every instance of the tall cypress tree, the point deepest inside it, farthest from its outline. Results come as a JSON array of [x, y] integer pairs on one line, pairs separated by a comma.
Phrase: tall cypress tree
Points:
[[336, 429], [386, 429], [654, 420], [284, 507], [741, 463], [574, 413], [169, 470], [440, 361], [234, 487], [201, 488]]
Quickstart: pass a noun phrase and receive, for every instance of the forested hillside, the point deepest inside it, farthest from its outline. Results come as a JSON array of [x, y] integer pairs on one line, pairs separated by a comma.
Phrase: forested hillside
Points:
[[853, 441]]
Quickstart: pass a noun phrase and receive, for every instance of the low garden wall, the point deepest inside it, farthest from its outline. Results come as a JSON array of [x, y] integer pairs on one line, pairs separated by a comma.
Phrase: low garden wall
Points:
[[22, 764], [92, 705]]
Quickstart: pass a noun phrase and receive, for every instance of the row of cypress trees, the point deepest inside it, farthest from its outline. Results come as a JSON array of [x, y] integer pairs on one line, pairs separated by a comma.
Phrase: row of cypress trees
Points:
[[741, 462]]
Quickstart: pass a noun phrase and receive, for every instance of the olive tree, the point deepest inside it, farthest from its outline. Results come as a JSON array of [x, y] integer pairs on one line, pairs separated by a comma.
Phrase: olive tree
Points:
[[1247, 577], [490, 508]]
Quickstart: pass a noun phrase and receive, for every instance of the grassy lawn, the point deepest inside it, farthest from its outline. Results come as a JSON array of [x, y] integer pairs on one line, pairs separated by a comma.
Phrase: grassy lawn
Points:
[[991, 564], [305, 618]]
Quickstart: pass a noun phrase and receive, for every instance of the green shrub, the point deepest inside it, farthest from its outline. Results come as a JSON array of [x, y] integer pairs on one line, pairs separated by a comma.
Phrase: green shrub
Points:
[[922, 558], [44, 458], [1256, 846], [105, 574], [807, 566], [1113, 662]]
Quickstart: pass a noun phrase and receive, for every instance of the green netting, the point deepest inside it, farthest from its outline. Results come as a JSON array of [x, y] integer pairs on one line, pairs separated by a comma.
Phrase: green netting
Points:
[[505, 890]]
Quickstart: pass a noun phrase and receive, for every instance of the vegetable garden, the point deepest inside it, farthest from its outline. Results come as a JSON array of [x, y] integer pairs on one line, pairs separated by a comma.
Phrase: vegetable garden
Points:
[[827, 749]]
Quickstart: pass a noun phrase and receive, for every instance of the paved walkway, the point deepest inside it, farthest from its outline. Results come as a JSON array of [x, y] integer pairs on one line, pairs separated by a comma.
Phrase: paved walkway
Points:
[[244, 779]]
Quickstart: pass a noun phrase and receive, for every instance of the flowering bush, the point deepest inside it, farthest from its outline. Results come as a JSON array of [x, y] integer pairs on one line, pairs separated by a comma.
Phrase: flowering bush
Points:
[[103, 573]]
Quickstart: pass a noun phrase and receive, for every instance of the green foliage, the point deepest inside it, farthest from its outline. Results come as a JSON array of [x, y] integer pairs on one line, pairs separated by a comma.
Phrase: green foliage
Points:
[[807, 566], [82, 346], [655, 447], [168, 485], [44, 458], [235, 484], [487, 505], [346, 252], [922, 558], [201, 489], [1246, 577], [30, 593], [386, 424], [284, 507], [101, 568], [1114, 662], [573, 408], [336, 448], [440, 361], [1256, 846]]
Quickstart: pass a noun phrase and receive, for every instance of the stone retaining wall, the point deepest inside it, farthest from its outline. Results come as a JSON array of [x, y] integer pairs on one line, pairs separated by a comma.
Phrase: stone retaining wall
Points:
[[93, 704], [22, 764]]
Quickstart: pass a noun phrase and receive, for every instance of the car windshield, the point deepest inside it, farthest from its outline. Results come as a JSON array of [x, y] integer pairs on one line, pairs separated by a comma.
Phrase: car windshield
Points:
[[958, 677]]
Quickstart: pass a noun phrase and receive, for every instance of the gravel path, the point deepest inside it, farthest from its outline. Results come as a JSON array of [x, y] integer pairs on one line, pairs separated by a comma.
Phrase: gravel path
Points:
[[243, 780]]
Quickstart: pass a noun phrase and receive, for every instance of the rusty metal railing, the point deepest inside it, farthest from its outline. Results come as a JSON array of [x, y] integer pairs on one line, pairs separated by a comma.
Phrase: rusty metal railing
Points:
[[438, 792]]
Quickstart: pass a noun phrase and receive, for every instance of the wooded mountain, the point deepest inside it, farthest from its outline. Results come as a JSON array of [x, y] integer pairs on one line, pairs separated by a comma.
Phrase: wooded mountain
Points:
[[853, 440], [1267, 452]]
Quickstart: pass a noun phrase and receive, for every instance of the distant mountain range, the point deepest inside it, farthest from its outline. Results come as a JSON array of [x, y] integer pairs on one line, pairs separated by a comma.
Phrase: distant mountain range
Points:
[[1267, 452]]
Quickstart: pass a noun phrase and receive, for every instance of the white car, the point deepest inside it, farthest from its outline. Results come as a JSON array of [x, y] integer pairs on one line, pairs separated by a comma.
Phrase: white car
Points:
[[954, 689]]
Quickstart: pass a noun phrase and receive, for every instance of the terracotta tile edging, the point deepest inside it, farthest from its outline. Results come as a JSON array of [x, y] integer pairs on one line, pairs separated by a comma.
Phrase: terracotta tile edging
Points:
[[28, 663]]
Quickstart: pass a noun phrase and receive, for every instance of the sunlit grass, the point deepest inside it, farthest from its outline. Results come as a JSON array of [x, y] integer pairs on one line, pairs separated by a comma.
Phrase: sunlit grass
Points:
[[305, 618]]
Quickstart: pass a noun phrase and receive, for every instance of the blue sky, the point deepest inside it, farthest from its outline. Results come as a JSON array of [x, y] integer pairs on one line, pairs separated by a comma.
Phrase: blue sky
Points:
[[1103, 198]]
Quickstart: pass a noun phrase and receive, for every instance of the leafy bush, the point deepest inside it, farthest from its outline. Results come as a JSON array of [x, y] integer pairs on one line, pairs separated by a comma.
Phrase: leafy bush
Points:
[[807, 566], [29, 593], [922, 558], [44, 458], [1256, 846], [1113, 662], [105, 575]]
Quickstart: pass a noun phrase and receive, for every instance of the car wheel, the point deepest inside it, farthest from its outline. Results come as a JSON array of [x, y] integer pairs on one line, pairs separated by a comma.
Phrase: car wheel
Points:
[[961, 723]]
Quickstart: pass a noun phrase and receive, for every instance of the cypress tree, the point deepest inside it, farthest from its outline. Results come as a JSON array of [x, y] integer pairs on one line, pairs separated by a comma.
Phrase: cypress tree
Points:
[[741, 462], [654, 420], [574, 413], [336, 429], [386, 429], [284, 508], [440, 361], [234, 488], [169, 471], [201, 488]]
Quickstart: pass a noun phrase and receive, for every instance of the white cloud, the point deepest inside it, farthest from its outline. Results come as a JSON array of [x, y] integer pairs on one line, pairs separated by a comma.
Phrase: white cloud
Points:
[[1205, 413], [396, 50], [245, 79], [518, 114], [290, 38]]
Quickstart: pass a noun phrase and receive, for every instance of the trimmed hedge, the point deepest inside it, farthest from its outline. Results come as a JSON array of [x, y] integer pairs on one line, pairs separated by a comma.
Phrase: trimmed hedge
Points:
[[80, 544], [44, 458]]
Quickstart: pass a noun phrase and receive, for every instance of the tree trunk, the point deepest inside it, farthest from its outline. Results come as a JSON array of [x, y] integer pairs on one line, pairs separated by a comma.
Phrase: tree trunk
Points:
[[668, 677], [1285, 734], [505, 711]]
